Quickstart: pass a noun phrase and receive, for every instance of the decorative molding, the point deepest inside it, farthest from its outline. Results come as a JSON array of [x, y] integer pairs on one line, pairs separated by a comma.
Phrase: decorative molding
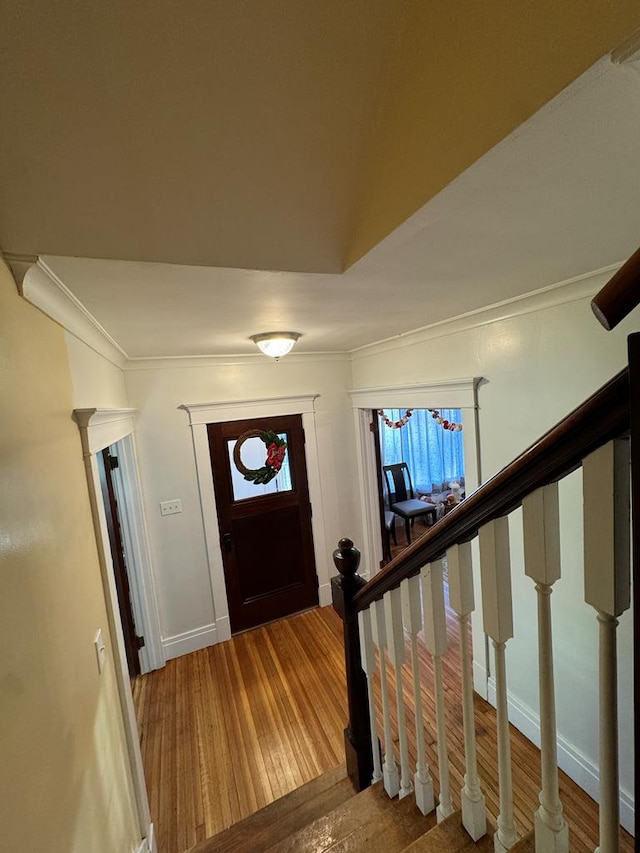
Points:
[[19, 265], [41, 287], [99, 428], [574, 763], [628, 51], [572, 290], [450, 394], [190, 641], [178, 362], [263, 407]]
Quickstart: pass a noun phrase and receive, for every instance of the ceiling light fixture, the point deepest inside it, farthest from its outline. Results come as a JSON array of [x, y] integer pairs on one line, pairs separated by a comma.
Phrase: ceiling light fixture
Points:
[[275, 344]]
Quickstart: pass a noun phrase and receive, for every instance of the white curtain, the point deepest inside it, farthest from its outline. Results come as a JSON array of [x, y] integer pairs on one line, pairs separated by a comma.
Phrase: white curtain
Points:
[[434, 455]]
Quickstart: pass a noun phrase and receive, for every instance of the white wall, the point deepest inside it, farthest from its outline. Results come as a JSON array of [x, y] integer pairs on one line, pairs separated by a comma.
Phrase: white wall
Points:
[[95, 380], [167, 462], [536, 366]]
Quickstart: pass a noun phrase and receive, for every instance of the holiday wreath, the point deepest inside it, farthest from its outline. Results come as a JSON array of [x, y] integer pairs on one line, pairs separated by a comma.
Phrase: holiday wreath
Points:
[[276, 450]]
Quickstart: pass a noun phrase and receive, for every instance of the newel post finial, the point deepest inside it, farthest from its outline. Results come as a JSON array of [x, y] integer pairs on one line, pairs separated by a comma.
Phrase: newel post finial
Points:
[[357, 735]]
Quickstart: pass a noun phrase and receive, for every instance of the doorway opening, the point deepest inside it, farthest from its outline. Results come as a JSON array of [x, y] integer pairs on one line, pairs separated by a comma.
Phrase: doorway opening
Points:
[[421, 471]]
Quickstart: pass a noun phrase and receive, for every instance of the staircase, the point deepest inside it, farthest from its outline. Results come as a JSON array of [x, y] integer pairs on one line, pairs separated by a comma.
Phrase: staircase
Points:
[[395, 809], [326, 815]]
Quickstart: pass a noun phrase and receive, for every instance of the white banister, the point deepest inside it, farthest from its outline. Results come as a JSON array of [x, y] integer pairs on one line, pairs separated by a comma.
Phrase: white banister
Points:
[[390, 778], [435, 636], [395, 646], [460, 573], [495, 573], [541, 533], [607, 589], [412, 616], [368, 656]]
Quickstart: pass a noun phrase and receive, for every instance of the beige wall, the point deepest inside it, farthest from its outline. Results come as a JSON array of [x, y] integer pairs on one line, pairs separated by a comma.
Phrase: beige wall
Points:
[[65, 786], [536, 367]]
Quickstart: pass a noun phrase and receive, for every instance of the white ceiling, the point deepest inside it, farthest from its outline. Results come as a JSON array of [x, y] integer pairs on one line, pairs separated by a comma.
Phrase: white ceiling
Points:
[[558, 198]]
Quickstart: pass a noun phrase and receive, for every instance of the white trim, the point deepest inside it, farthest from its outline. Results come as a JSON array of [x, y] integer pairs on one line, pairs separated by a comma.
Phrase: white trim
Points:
[[148, 844], [100, 428], [201, 414], [191, 641], [451, 394], [41, 287], [574, 763], [261, 407], [580, 287], [128, 488], [172, 362]]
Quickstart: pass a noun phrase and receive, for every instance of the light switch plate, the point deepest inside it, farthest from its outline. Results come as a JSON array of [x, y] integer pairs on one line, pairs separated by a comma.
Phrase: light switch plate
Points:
[[101, 650], [171, 507]]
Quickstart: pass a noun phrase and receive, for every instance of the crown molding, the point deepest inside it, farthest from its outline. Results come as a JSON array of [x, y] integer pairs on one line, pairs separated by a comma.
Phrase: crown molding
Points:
[[628, 51], [183, 361], [584, 286], [40, 286], [19, 265]]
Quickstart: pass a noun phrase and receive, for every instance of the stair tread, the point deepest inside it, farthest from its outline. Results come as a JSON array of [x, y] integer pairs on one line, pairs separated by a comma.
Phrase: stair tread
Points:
[[258, 831], [451, 837], [368, 821]]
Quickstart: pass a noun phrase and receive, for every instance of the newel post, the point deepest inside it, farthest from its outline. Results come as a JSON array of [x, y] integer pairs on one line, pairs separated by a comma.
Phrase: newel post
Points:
[[357, 735]]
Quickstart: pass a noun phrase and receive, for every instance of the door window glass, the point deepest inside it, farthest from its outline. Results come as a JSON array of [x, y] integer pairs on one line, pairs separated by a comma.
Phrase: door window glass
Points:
[[256, 458]]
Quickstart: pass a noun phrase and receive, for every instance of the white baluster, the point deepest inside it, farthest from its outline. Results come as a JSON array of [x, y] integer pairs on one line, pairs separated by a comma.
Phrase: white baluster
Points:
[[390, 778], [607, 589], [368, 655], [412, 613], [460, 573], [541, 531], [495, 572], [435, 636], [395, 645]]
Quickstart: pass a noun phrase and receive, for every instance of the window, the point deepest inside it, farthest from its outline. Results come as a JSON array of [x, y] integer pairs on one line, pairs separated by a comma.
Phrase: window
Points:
[[434, 455]]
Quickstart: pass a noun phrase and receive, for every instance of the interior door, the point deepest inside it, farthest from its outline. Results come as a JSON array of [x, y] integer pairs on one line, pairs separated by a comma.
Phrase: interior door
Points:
[[132, 642], [264, 518]]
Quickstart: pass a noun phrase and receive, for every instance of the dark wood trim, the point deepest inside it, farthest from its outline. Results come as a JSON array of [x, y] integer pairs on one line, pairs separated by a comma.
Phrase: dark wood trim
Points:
[[620, 295], [604, 416]]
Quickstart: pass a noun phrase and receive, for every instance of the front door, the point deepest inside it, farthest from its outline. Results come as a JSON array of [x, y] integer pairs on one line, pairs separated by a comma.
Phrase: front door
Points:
[[264, 518]]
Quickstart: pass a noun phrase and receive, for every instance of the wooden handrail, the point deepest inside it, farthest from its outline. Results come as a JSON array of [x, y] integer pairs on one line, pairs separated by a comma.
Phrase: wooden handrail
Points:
[[620, 295], [604, 416]]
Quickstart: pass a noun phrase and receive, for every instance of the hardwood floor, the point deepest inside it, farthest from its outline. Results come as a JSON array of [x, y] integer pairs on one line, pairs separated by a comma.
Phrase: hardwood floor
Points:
[[228, 729]]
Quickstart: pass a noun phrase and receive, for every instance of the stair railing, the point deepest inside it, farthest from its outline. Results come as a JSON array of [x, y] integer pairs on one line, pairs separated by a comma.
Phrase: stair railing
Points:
[[407, 595]]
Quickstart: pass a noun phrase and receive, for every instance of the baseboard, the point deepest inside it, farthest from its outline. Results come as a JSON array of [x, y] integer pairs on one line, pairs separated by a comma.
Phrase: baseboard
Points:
[[324, 594], [576, 765], [480, 680], [190, 641], [148, 844]]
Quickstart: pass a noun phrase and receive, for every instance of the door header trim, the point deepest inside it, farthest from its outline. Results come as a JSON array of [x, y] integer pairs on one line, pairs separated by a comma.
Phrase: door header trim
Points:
[[238, 410]]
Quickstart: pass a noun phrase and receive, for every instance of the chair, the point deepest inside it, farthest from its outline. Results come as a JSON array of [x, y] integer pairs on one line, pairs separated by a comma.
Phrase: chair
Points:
[[402, 500], [389, 531]]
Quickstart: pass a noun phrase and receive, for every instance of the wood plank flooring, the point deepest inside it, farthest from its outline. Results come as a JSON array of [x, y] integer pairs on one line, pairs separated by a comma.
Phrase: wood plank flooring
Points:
[[230, 728]]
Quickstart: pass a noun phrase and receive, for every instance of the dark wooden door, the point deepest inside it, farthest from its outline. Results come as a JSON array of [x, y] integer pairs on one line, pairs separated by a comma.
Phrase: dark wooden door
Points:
[[264, 518], [132, 642]]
